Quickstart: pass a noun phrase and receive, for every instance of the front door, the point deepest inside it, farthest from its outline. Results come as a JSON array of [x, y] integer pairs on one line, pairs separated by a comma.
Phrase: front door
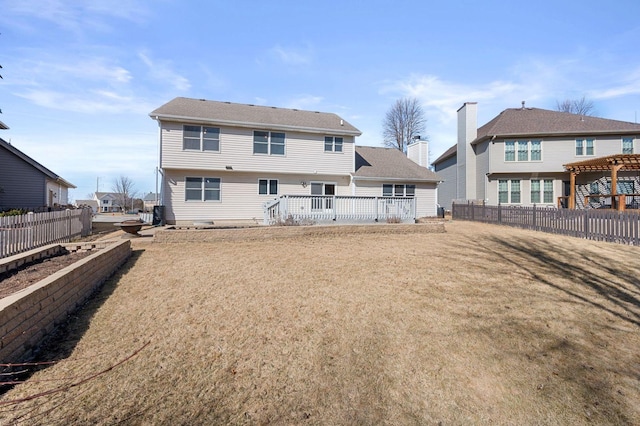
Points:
[[322, 203]]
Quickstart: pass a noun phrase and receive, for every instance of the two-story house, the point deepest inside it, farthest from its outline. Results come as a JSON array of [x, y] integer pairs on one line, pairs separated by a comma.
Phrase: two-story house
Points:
[[222, 161], [107, 202], [518, 157], [25, 183]]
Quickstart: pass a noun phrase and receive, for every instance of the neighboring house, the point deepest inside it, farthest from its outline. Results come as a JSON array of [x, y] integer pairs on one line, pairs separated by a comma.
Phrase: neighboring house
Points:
[[88, 203], [223, 161], [149, 200], [107, 202], [25, 183], [518, 157]]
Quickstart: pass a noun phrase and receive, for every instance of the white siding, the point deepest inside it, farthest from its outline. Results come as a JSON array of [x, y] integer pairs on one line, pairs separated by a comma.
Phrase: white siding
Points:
[[304, 153], [239, 198], [425, 194]]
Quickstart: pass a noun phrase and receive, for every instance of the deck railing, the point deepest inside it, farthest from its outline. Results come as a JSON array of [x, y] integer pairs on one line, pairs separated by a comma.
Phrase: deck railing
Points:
[[336, 208], [593, 224], [28, 231]]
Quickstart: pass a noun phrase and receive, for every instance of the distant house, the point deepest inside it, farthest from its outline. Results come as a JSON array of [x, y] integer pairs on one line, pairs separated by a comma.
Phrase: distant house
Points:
[[25, 183], [150, 200], [519, 158], [224, 161], [88, 203], [107, 202]]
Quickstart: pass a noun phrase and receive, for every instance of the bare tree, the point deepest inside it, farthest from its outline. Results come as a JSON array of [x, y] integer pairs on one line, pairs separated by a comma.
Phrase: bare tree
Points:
[[582, 106], [124, 190], [404, 120]]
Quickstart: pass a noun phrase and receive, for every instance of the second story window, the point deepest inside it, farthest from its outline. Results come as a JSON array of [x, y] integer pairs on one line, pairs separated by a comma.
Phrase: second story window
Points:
[[332, 144], [627, 145], [523, 150], [269, 143], [584, 147], [200, 138]]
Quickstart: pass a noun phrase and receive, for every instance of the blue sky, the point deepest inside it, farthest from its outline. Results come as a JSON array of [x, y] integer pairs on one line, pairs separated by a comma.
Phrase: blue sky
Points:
[[80, 77]]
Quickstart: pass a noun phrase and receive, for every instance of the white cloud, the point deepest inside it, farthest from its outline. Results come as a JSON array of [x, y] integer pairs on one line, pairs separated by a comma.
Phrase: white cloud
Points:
[[163, 72], [74, 16], [292, 56], [304, 102], [91, 102]]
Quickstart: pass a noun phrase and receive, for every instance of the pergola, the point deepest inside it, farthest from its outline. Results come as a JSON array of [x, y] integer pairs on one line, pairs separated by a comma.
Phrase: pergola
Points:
[[611, 163]]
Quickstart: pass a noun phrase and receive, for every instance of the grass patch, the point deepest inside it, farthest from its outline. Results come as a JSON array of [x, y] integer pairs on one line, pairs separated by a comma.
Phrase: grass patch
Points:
[[480, 324]]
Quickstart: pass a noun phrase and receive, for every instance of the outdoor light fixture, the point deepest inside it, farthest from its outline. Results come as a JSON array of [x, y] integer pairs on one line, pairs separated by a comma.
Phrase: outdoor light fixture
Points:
[[228, 167], [304, 184]]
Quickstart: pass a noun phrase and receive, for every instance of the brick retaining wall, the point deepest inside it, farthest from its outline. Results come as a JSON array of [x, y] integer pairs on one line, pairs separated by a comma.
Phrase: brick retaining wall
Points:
[[29, 315]]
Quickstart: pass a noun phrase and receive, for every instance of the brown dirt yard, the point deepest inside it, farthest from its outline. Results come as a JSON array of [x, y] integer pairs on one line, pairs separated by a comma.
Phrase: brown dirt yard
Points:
[[481, 324]]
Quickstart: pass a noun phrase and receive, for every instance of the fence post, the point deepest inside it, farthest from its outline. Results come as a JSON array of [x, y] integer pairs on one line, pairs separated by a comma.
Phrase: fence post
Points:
[[534, 218], [377, 204], [586, 223], [499, 212], [335, 209]]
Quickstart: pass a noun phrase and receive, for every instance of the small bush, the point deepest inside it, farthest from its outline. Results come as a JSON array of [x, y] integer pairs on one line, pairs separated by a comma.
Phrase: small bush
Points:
[[291, 221], [394, 219], [13, 212]]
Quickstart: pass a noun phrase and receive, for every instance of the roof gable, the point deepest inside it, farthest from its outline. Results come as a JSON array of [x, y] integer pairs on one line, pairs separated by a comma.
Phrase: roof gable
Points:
[[33, 163], [389, 163], [246, 115]]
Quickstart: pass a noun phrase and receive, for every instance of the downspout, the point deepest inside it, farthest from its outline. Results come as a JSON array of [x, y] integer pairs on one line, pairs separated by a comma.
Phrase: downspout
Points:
[[159, 195]]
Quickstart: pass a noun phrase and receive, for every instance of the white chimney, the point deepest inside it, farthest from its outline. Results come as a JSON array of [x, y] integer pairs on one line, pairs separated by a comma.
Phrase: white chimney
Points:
[[418, 151]]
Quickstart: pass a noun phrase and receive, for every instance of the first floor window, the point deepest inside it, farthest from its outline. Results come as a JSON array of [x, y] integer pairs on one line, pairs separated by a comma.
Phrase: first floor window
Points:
[[541, 191], [509, 191], [268, 186], [332, 144], [202, 189], [627, 145], [398, 190]]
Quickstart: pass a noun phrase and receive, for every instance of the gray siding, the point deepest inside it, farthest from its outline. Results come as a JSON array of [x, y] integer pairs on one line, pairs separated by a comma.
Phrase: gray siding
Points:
[[482, 168], [447, 190], [22, 185]]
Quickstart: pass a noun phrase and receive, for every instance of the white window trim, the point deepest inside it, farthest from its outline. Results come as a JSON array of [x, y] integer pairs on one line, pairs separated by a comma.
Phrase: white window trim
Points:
[[516, 146], [269, 187], [584, 147], [202, 189], [509, 191], [633, 144], [333, 144], [201, 148], [541, 192], [269, 143], [404, 189]]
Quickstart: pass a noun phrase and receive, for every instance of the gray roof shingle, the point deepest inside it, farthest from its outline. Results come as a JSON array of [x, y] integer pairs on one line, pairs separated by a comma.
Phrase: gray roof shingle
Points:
[[513, 122], [186, 109], [389, 163]]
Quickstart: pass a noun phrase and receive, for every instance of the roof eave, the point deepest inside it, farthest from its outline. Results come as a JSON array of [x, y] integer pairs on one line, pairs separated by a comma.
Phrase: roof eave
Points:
[[544, 134], [246, 124], [396, 179]]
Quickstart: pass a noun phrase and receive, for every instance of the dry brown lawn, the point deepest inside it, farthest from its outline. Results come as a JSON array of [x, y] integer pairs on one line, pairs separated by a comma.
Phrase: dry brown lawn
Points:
[[479, 325]]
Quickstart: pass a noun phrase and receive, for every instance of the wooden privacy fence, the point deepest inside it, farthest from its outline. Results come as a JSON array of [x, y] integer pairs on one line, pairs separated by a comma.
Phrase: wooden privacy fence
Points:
[[28, 231], [621, 227]]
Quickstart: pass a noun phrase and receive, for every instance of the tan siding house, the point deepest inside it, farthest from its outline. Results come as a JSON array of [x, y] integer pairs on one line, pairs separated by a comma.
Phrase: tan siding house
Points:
[[222, 161]]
